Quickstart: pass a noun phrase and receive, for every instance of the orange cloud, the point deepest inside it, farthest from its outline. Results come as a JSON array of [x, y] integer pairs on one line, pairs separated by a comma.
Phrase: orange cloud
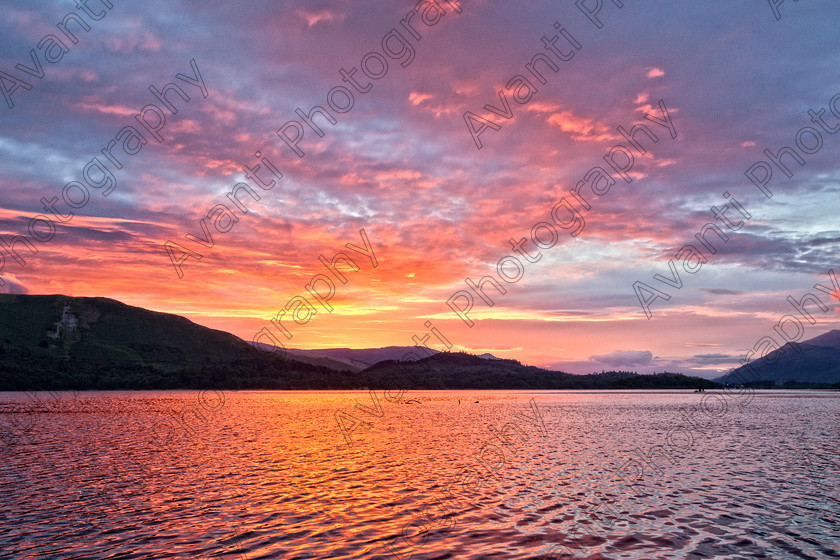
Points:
[[580, 128]]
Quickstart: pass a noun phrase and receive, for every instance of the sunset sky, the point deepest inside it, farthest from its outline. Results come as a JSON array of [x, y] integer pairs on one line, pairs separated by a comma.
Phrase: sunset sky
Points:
[[401, 164]]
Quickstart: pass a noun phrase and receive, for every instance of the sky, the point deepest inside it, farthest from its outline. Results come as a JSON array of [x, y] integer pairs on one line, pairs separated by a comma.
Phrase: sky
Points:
[[441, 149]]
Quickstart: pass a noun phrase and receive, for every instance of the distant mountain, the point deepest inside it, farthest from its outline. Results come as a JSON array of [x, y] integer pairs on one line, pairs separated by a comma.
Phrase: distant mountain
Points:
[[817, 364], [830, 339], [317, 359], [456, 370], [357, 359]]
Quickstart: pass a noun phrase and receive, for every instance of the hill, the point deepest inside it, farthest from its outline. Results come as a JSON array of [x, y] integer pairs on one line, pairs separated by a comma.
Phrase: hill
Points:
[[464, 371], [355, 359], [61, 342], [318, 359], [817, 364]]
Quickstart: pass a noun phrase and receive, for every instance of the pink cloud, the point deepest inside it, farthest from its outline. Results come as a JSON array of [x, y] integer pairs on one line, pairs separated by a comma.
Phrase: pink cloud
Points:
[[313, 17], [418, 98], [581, 128]]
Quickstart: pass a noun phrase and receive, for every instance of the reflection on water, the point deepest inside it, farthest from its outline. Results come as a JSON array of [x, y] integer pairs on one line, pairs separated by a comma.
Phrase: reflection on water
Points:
[[264, 475]]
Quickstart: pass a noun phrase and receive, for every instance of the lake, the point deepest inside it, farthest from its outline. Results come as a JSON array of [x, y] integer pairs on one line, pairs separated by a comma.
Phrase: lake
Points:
[[517, 474]]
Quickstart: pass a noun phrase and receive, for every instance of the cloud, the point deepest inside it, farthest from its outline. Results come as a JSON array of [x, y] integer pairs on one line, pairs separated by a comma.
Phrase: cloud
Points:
[[580, 128], [418, 98], [624, 358], [313, 17], [723, 292], [655, 73], [714, 358], [100, 107], [13, 285]]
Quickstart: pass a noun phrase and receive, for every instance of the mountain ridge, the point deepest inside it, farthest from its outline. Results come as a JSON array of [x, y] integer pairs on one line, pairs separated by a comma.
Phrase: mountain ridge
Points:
[[65, 342], [459, 370], [361, 358], [815, 361]]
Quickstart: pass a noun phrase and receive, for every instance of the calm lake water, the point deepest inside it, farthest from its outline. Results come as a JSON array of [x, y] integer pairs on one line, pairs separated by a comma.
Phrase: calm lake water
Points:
[[522, 474]]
